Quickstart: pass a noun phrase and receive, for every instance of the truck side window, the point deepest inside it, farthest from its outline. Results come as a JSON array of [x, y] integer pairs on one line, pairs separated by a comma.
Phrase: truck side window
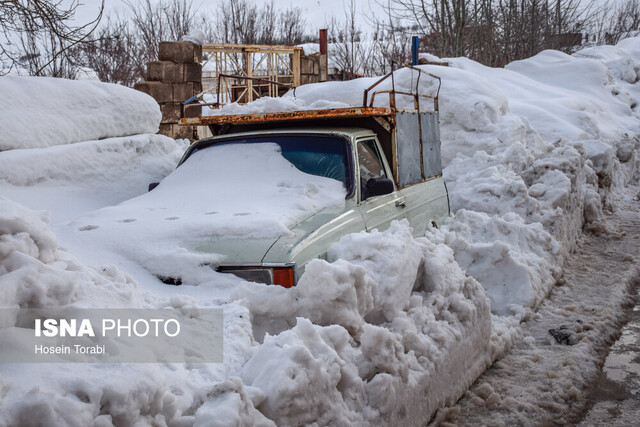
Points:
[[369, 161]]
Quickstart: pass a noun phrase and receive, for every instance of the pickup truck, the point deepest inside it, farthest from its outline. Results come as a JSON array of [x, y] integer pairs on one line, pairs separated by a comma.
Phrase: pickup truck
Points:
[[388, 160]]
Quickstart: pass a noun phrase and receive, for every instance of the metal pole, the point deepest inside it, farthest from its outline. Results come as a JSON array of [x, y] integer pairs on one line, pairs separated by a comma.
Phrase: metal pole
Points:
[[324, 57], [323, 42], [415, 43]]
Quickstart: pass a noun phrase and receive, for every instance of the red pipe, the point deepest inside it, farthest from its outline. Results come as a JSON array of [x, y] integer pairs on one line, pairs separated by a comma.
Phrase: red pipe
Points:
[[323, 42]]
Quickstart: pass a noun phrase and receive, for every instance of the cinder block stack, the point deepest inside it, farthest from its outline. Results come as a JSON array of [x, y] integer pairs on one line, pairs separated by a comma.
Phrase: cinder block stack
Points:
[[313, 68], [174, 78], [310, 69]]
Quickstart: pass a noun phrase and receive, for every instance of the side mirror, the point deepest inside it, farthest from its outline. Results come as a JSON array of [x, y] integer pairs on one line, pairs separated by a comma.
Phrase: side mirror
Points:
[[153, 185], [377, 187]]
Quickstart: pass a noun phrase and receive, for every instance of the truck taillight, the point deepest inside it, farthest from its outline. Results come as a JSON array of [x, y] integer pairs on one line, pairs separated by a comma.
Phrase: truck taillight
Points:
[[284, 276], [271, 274]]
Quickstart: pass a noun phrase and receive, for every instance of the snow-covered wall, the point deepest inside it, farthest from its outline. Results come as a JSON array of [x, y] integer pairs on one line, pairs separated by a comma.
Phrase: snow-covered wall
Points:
[[45, 111]]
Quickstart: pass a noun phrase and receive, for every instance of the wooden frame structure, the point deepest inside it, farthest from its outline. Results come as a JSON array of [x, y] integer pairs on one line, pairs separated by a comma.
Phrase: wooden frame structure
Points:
[[278, 64]]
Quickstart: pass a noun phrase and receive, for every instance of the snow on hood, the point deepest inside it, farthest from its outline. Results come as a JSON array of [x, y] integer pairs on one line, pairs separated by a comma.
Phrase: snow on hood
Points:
[[230, 192], [46, 111]]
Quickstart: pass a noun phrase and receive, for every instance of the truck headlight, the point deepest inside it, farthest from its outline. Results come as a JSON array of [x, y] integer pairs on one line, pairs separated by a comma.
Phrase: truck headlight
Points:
[[271, 274]]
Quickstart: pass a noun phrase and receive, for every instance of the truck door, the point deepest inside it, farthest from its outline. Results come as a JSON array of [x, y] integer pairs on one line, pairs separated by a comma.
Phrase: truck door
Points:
[[378, 211]]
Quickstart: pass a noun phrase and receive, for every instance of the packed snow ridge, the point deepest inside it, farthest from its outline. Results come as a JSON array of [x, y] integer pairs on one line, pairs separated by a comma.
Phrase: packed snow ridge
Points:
[[389, 327], [46, 111]]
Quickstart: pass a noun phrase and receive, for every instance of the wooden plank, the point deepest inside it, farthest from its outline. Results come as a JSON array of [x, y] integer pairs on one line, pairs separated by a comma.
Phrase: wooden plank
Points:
[[288, 116], [296, 68], [216, 47]]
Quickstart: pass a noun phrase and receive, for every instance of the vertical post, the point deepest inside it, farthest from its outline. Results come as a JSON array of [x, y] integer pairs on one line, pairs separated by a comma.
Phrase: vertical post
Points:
[[324, 58], [323, 41], [295, 57], [415, 43], [271, 75], [249, 56]]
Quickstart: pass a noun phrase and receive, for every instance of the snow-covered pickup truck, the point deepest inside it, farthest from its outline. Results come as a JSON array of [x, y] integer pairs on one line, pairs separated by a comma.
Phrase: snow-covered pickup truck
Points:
[[387, 159]]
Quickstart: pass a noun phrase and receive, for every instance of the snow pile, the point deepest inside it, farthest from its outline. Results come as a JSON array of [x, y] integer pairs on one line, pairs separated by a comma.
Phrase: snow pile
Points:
[[373, 358], [45, 111], [88, 175], [595, 106], [34, 273], [519, 201], [590, 104], [398, 319], [623, 62], [513, 260], [273, 105]]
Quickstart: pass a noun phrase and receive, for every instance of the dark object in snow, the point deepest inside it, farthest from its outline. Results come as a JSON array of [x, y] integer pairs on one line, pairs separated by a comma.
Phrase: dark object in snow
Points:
[[564, 335], [175, 281]]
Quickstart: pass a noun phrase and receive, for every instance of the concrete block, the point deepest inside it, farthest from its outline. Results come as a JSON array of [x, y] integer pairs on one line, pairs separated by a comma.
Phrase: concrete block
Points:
[[180, 52], [160, 91], [176, 131], [166, 129], [324, 71], [184, 91], [165, 71], [193, 110], [170, 112], [192, 73], [184, 132], [306, 66]]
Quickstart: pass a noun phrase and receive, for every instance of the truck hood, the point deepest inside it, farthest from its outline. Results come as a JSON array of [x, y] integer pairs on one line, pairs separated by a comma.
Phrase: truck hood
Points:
[[238, 251], [283, 248]]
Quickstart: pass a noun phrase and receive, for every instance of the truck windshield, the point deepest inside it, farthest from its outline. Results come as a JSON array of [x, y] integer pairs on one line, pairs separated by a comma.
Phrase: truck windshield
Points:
[[313, 154]]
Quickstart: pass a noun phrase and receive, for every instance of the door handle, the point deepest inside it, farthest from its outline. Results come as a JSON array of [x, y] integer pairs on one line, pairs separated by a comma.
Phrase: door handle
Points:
[[401, 204]]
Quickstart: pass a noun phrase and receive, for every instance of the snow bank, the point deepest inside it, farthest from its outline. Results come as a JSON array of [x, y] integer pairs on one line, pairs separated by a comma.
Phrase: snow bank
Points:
[[376, 359], [45, 111], [34, 273], [95, 161], [397, 318], [68, 180], [514, 261]]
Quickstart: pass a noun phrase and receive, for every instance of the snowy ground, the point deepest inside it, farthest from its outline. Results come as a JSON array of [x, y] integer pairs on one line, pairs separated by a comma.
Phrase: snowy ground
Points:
[[542, 381], [615, 393], [390, 328]]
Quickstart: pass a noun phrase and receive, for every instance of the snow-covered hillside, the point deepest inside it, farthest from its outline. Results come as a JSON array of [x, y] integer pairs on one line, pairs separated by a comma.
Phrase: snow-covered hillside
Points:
[[389, 327]]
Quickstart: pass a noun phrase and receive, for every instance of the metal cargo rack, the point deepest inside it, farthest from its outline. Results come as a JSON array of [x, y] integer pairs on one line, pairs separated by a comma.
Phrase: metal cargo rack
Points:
[[410, 137]]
